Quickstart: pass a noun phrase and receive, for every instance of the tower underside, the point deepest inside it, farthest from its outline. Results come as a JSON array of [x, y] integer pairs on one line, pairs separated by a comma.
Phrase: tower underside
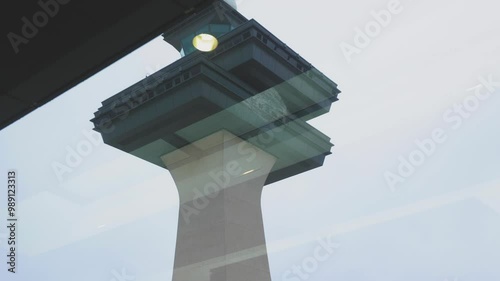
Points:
[[224, 123]]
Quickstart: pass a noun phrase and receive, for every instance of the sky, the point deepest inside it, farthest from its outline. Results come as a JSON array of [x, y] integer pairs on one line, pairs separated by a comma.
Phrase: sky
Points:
[[411, 191]]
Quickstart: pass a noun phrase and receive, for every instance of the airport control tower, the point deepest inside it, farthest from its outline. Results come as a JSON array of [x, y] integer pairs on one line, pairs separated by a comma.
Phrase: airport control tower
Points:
[[226, 119]]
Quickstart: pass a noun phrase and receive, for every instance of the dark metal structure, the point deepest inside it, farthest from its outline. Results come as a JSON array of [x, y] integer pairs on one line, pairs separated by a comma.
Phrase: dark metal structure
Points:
[[49, 46]]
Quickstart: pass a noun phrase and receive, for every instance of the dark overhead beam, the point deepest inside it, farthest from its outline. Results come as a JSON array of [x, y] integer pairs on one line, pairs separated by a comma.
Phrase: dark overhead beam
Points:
[[77, 41]]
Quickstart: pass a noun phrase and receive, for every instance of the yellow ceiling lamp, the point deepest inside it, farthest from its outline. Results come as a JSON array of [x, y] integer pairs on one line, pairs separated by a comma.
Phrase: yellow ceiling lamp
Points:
[[205, 42]]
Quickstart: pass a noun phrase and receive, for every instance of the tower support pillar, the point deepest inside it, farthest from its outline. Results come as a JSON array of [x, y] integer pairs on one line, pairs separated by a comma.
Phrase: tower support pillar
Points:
[[220, 233]]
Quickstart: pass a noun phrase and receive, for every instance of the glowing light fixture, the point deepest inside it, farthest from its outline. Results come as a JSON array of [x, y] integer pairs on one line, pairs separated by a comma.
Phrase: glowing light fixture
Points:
[[248, 172], [205, 42]]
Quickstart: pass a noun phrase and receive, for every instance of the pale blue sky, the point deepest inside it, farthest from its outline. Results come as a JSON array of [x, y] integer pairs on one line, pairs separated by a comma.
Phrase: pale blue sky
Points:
[[115, 211]]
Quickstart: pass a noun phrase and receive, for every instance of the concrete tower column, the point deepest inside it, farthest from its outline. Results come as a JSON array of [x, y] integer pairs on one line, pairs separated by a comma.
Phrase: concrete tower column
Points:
[[220, 233]]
